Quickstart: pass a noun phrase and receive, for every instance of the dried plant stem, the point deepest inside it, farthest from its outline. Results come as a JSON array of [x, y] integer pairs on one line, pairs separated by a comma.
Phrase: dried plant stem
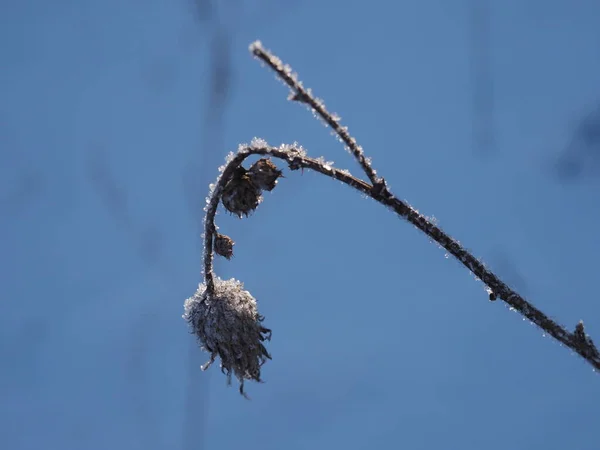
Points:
[[578, 341], [303, 95]]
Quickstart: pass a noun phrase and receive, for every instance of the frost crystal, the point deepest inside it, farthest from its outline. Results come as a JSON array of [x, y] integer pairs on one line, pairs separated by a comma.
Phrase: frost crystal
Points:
[[258, 143], [326, 164], [293, 148], [228, 325], [256, 45]]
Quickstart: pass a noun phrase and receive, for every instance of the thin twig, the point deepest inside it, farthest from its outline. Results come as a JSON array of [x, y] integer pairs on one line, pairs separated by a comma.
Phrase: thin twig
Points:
[[578, 341], [303, 95]]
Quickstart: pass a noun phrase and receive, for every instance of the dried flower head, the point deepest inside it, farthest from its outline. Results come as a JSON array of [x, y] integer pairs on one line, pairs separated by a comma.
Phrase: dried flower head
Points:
[[228, 325], [240, 195], [223, 245], [264, 174]]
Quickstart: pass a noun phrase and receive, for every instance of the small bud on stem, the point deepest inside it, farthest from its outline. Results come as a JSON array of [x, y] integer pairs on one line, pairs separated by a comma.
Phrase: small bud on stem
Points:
[[240, 195], [224, 245], [264, 174]]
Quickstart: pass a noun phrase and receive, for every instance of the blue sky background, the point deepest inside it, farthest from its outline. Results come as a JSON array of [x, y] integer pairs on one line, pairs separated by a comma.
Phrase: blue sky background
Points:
[[114, 117]]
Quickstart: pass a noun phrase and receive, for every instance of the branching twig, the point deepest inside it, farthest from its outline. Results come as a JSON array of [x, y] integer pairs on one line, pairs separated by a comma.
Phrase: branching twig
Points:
[[304, 95], [577, 341], [582, 345], [224, 316]]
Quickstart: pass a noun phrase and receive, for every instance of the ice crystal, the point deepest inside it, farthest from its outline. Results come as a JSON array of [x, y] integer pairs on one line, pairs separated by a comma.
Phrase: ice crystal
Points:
[[293, 148], [258, 143], [327, 165]]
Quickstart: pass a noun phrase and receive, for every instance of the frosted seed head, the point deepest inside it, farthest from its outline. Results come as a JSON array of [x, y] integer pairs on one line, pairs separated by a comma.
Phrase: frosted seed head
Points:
[[223, 245], [264, 174], [240, 195], [228, 325]]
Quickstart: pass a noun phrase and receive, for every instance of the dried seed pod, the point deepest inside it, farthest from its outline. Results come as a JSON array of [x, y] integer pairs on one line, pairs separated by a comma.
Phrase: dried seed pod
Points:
[[223, 245], [240, 195], [264, 174], [228, 325]]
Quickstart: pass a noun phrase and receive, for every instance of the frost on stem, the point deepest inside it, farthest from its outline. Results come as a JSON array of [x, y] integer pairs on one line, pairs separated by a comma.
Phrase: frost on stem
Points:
[[304, 95], [228, 325]]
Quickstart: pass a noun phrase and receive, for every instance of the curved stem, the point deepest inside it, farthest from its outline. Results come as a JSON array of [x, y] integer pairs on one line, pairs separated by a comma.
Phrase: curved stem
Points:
[[577, 341]]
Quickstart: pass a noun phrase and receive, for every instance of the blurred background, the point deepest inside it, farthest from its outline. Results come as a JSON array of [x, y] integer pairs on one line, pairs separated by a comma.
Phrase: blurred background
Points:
[[114, 117]]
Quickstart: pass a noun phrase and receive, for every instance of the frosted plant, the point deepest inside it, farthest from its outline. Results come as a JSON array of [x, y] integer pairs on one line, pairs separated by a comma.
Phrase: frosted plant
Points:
[[225, 318], [227, 324]]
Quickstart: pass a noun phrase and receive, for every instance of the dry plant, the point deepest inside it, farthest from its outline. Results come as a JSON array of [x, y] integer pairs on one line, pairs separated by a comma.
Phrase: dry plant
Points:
[[224, 317]]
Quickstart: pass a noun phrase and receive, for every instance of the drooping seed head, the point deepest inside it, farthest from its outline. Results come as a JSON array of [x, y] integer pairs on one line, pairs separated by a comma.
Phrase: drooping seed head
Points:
[[240, 195], [228, 325], [264, 174], [223, 245]]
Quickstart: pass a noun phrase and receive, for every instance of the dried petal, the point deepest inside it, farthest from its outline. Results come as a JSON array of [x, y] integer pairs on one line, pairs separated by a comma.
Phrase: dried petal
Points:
[[264, 174], [228, 325], [240, 195], [223, 245]]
